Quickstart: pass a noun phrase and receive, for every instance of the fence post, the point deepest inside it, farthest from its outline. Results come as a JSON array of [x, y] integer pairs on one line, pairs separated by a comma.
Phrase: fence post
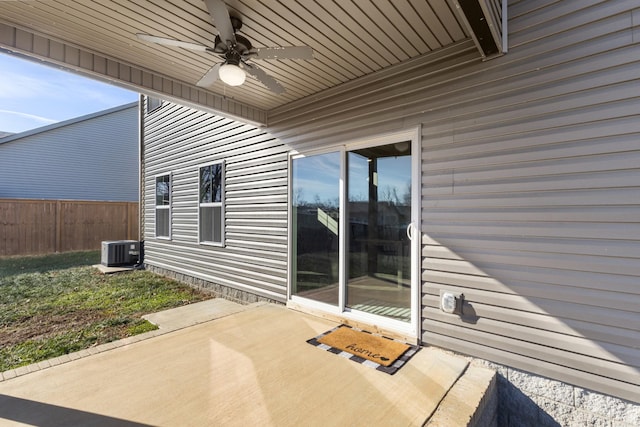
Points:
[[58, 226], [129, 222]]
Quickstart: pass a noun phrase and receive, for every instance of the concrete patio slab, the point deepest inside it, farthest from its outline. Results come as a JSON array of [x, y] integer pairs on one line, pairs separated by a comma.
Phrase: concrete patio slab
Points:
[[248, 368], [167, 321], [193, 314], [112, 270]]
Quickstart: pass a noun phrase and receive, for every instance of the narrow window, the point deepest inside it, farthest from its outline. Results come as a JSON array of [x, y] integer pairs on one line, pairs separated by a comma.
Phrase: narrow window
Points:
[[153, 104], [212, 204], [163, 206]]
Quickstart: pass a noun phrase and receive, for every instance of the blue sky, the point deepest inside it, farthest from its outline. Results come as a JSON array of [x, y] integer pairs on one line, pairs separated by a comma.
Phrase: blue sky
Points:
[[34, 95]]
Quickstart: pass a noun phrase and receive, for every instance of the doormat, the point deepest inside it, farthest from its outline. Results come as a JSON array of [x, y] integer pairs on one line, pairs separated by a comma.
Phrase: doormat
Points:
[[372, 350]]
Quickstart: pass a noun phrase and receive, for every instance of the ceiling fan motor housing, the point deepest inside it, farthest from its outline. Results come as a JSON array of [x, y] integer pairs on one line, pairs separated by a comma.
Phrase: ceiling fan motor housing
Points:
[[242, 46]]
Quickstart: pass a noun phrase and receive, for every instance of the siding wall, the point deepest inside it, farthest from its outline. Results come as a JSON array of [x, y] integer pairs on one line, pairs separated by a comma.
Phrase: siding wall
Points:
[[530, 187], [178, 140], [92, 158]]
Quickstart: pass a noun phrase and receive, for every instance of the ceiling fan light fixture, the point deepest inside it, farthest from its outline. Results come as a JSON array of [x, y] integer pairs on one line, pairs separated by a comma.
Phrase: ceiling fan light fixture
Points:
[[232, 75], [235, 50]]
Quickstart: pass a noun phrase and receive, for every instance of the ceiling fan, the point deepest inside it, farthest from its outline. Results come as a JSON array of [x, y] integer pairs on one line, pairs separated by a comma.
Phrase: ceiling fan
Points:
[[235, 50]]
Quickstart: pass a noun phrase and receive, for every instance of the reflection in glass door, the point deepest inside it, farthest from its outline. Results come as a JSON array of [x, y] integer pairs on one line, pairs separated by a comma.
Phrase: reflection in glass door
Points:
[[315, 200], [379, 216]]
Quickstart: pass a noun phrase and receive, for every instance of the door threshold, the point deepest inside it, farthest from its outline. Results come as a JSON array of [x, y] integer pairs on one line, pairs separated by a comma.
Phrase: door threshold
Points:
[[366, 326]]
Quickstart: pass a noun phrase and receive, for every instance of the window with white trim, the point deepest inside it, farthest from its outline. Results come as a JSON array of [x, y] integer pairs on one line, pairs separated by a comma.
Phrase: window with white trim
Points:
[[163, 206], [211, 204]]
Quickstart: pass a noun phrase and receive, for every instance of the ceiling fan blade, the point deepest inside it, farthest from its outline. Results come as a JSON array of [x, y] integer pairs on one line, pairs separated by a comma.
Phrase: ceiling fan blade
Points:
[[209, 77], [271, 83], [289, 52], [171, 42], [221, 19]]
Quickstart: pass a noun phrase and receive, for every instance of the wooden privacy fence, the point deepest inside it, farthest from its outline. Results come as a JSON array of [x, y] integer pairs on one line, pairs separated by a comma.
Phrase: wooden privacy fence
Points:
[[45, 226]]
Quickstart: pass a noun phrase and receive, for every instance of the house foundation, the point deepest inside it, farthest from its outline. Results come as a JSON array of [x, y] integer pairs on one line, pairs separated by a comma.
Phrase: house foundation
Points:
[[525, 399], [221, 291]]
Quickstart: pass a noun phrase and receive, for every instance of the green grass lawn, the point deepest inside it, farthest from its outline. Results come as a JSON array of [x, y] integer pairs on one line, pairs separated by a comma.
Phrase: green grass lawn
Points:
[[56, 304]]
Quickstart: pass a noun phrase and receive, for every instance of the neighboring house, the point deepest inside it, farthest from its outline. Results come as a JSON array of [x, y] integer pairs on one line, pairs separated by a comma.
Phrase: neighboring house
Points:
[[93, 157], [524, 172]]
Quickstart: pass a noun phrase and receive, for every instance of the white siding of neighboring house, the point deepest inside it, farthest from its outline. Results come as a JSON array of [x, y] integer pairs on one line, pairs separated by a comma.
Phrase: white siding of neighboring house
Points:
[[94, 157]]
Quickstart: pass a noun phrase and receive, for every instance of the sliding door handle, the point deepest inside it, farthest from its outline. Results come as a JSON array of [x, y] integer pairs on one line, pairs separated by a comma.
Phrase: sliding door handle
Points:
[[410, 231]]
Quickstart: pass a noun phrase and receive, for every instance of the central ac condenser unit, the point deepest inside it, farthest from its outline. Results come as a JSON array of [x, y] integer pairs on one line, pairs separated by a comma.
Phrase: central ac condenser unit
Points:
[[120, 252]]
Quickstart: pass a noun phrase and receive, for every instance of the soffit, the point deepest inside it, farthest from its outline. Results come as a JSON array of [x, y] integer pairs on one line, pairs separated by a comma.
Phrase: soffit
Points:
[[350, 39]]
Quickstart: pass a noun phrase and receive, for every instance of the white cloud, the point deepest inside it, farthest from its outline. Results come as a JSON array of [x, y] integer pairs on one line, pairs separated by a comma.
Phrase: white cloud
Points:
[[29, 116], [13, 85], [56, 86], [16, 122]]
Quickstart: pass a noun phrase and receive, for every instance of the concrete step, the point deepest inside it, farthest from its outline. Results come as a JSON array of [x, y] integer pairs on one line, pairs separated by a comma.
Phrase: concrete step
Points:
[[471, 402]]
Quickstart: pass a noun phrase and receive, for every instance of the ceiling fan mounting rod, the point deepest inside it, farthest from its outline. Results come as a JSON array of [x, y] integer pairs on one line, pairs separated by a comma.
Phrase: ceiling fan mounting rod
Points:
[[236, 23]]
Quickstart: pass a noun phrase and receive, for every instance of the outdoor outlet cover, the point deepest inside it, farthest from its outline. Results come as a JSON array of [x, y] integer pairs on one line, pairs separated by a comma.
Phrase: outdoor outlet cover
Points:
[[450, 302]]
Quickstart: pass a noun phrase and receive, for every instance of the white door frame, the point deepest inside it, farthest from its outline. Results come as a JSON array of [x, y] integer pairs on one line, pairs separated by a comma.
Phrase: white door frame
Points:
[[410, 330]]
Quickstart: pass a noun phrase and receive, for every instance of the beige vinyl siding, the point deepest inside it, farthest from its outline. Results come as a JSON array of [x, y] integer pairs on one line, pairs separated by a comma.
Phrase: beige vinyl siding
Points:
[[530, 187], [178, 140]]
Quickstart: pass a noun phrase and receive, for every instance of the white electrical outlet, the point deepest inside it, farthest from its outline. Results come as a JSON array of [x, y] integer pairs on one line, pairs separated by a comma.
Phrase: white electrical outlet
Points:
[[450, 302]]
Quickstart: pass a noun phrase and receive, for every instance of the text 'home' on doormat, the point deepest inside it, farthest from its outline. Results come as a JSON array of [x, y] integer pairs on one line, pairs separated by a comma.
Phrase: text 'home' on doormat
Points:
[[376, 351]]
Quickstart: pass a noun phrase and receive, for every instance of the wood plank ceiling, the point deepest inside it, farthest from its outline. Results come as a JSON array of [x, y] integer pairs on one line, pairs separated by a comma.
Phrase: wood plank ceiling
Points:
[[350, 38]]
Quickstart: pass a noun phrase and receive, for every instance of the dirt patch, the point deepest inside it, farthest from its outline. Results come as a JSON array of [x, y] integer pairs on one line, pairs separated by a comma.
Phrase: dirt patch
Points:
[[44, 326]]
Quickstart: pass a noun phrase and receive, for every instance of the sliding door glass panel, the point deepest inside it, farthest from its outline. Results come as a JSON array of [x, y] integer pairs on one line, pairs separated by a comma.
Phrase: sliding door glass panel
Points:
[[315, 226], [379, 213]]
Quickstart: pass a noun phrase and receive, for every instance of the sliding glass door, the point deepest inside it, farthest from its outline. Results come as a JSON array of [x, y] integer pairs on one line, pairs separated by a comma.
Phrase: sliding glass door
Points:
[[352, 220], [378, 245]]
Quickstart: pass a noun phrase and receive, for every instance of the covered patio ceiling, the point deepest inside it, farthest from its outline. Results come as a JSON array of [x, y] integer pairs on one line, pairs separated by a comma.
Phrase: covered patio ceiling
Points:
[[350, 39]]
